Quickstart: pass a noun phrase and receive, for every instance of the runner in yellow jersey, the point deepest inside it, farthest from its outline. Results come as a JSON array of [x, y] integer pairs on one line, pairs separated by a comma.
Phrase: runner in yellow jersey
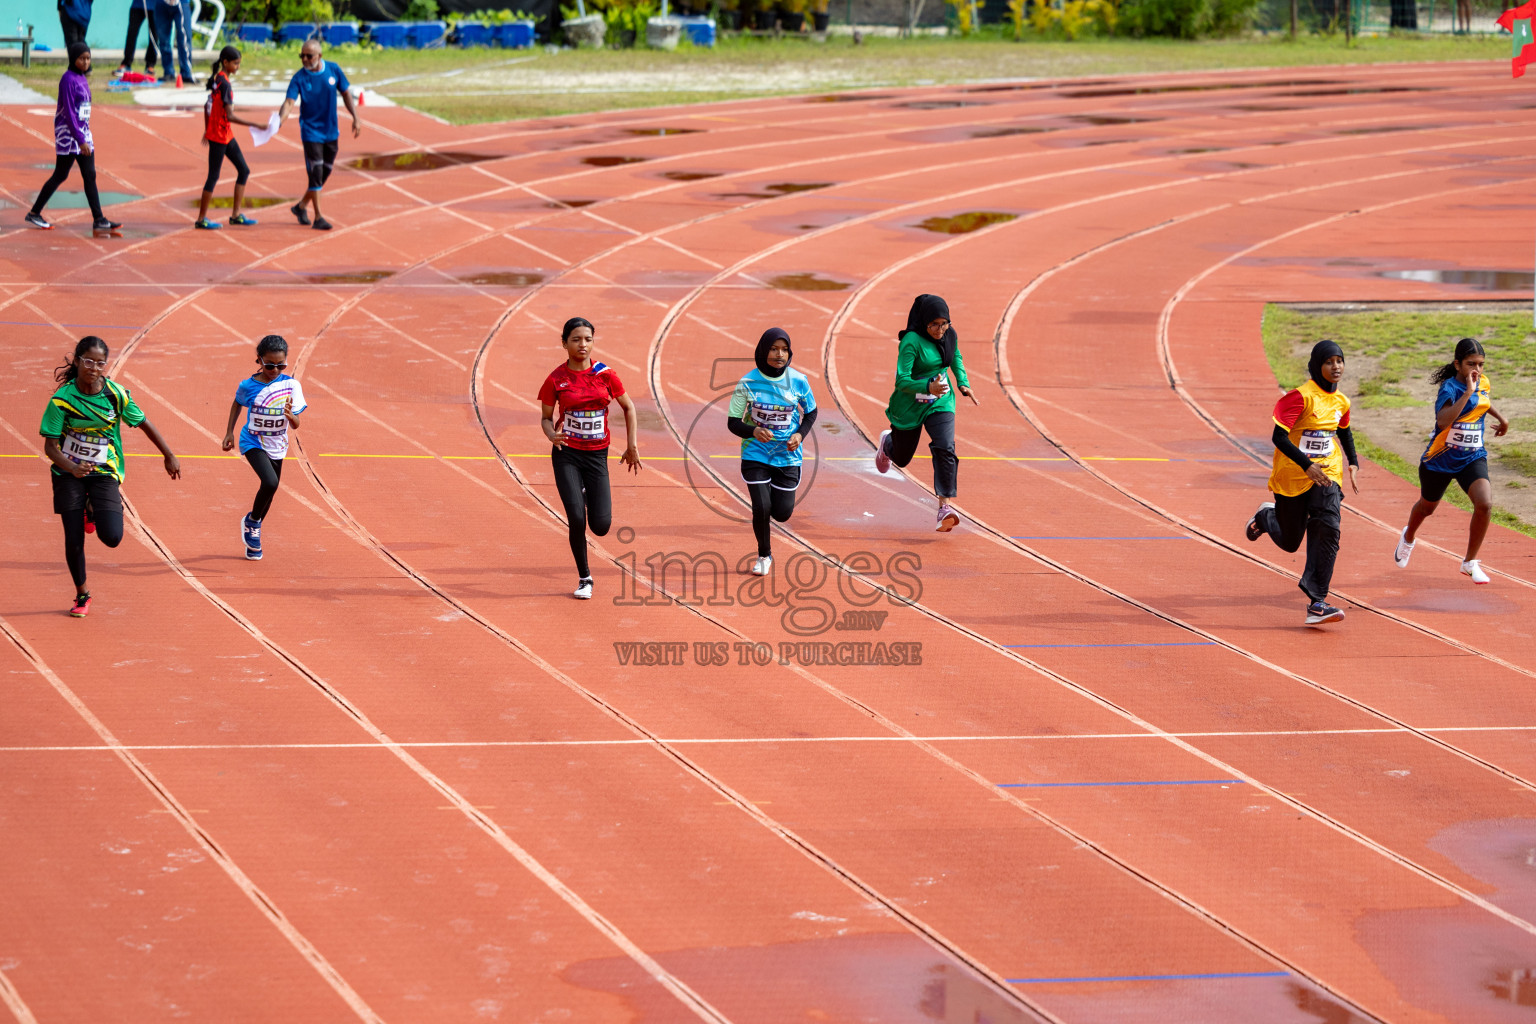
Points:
[[1312, 439]]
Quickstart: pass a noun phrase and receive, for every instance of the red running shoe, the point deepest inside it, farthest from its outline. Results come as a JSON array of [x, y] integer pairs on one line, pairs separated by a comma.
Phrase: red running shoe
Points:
[[81, 606], [90, 521]]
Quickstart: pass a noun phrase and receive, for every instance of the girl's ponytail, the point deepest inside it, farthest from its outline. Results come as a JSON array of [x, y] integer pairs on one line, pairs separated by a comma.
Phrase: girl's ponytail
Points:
[[1464, 348], [228, 53]]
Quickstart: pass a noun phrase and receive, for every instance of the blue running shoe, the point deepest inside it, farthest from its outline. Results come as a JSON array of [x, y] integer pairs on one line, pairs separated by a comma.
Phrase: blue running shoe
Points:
[[250, 532]]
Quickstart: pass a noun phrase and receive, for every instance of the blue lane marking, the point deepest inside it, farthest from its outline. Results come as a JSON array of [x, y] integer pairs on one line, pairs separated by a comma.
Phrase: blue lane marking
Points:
[[1158, 782], [1052, 536], [1187, 643], [1153, 977], [34, 323]]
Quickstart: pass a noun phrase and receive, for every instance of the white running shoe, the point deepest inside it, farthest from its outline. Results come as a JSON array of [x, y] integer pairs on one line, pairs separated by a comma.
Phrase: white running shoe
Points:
[[1404, 550], [763, 566], [882, 460], [948, 519], [584, 590], [1474, 568]]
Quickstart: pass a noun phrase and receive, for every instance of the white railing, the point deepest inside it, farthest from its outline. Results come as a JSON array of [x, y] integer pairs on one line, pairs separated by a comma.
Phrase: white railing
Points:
[[211, 30]]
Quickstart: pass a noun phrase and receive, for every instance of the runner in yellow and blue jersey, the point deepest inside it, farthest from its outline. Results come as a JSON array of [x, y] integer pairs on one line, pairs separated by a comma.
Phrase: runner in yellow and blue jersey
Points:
[[1312, 439], [1456, 452], [82, 437], [771, 411]]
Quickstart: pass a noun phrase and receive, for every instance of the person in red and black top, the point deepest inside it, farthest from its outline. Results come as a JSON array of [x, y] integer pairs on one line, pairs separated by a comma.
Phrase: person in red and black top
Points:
[[583, 390], [219, 118]]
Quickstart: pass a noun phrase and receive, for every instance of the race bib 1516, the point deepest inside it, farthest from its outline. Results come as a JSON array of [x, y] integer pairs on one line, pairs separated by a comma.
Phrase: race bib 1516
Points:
[[1316, 444]]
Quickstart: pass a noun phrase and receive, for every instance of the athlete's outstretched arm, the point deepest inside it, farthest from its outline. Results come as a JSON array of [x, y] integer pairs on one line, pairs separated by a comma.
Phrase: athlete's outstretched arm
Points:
[[172, 464], [631, 456], [1503, 424], [229, 430]]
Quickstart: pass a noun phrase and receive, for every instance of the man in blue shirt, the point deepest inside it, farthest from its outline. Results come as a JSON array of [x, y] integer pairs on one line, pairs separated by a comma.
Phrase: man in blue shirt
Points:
[[315, 89]]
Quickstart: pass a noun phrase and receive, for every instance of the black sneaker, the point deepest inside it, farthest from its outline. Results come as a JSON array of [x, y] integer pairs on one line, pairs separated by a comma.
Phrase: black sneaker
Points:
[[1254, 531], [36, 220], [321, 224], [297, 209], [1319, 612], [107, 227]]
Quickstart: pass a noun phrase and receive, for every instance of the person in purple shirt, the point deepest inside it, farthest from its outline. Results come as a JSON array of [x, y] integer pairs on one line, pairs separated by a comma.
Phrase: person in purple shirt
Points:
[[72, 142]]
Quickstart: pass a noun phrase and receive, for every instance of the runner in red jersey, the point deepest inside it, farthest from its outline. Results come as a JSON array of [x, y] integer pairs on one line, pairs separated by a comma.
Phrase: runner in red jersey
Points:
[[219, 118], [583, 391]]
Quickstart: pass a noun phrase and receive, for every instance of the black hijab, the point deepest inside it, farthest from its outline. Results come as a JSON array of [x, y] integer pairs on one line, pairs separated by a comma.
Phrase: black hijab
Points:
[[1321, 353], [765, 343], [925, 310], [74, 50]]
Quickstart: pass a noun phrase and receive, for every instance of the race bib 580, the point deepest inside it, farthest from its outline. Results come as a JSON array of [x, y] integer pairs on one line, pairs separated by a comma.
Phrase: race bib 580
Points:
[[269, 420]]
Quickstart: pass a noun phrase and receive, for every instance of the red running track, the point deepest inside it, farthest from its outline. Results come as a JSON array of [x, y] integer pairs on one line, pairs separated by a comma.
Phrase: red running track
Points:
[[394, 773]]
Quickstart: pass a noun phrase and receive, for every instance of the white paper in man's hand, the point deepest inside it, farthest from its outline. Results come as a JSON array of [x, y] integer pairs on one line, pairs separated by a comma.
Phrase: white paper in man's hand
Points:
[[259, 136]]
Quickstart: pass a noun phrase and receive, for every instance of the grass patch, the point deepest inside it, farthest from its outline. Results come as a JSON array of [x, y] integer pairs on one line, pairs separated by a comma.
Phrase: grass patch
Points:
[[497, 85], [1389, 356]]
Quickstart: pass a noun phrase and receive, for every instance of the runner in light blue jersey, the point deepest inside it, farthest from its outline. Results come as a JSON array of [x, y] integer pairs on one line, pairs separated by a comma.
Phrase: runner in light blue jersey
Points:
[[771, 411]]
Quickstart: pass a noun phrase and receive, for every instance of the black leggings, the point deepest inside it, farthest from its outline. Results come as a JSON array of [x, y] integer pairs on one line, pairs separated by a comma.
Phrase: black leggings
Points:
[[902, 445], [217, 151], [773, 497], [1314, 515], [270, 472], [581, 477], [62, 163], [137, 15], [69, 497]]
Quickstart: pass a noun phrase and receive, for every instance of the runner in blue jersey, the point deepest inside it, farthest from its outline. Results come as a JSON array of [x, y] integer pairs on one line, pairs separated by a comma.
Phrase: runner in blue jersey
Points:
[[274, 401], [1456, 452], [315, 88], [771, 411]]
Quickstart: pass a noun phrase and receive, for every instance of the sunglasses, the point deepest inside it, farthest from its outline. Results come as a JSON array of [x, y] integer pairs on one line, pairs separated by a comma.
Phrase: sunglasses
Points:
[[271, 366], [93, 364], [307, 57]]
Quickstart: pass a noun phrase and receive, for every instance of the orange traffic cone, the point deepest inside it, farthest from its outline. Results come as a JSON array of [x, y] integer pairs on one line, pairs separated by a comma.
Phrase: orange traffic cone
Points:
[[360, 97], [178, 79]]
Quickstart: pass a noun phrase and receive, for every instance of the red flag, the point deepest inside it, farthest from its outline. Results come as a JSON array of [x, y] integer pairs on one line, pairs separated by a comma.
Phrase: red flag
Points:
[[1517, 20]]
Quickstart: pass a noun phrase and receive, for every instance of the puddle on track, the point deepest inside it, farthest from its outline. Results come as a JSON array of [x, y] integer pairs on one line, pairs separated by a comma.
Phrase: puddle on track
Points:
[[419, 160], [1481, 280], [350, 277], [563, 204], [965, 223], [504, 279], [662, 131], [612, 161], [228, 202], [689, 175], [67, 200], [997, 133], [783, 188], [807, 283]]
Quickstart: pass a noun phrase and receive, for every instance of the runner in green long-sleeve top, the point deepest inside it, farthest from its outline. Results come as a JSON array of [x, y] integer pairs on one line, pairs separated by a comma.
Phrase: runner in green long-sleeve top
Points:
[[929, 353]]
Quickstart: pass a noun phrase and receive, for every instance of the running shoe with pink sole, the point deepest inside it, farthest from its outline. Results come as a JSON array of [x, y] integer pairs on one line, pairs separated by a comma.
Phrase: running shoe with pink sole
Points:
[[882, 460]]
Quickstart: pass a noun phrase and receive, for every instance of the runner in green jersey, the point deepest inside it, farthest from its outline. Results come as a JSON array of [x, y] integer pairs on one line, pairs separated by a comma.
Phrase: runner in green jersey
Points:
[[82, 437]]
